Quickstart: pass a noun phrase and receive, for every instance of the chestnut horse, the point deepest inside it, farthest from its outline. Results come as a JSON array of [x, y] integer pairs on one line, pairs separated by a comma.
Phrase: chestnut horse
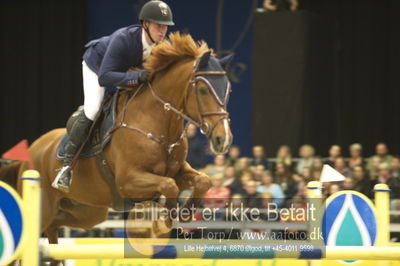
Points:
[[147, 153]]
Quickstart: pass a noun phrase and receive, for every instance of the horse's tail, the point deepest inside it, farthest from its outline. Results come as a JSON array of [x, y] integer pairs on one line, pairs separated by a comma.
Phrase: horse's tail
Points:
[[9, 173]]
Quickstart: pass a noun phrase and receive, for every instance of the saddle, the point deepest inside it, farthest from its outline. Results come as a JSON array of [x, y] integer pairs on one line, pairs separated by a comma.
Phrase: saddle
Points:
[[100, 135]]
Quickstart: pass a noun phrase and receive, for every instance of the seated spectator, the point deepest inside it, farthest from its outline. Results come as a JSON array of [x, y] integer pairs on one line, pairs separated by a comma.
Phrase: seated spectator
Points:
[[316, 168], [237, 201], [333, 188], [252, 197], [341, 167], [306, 174], [382, 152], [267, 185], [258, 173], [196, 149], [259, 157], [237, 186], [218, 195], [385, 178], [348, 183], [334, 152], [235, 205], [233, 155], [356, 157], [266, 213], [287, 180], [306, 153], [373, 170], [395, 166], [301, 189], [284, 155], [230, 175], [218, 167], [242, 166], [362, 183]]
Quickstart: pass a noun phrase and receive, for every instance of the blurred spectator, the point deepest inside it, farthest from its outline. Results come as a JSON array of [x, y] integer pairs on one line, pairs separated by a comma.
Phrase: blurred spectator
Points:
[[218, 167], [306, 174], [252, 198], [362, 183], [348, 183], [306, 153], [258, 172], [356, 158], [237, 203], [242, 166], [233, 155], [333, 188], [334, 152], [385, 178], [373, 170], [341, 166], [259, 157], [196, 150], [284, 155], [280, 5], [316, 168], [266, 214], [230, 175], [267, 185], [287, 180], [218, 195], [395, 166], [301, 189], [382, 152], [237, 186]]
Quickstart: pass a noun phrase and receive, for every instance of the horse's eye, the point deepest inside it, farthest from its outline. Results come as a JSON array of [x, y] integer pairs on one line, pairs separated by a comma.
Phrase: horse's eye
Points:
[[203, 91]]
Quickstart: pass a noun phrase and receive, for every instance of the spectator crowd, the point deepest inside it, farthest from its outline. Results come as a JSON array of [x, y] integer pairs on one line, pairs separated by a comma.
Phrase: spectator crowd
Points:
[[283, 179]]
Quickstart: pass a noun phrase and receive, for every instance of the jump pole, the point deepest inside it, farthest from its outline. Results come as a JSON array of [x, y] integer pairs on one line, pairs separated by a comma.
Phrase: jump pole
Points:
[[30, 254]]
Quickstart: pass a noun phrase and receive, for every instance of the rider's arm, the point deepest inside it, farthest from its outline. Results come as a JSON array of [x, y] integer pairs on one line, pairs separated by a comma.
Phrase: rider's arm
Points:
[[113, 68]]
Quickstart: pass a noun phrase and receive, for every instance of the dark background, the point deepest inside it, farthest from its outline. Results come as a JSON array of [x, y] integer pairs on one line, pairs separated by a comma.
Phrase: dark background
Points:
[[323, 75], [328, 75]]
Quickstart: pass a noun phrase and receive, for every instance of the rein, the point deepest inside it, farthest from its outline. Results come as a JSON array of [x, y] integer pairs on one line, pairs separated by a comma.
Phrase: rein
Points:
[[204, 126]]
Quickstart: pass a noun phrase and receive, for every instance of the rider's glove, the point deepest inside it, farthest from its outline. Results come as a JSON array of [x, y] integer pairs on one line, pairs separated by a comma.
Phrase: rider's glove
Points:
[[143, 76]]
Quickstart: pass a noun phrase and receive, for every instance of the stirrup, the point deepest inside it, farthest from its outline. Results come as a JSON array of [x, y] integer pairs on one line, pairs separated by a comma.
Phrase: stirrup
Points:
[[65, 170]]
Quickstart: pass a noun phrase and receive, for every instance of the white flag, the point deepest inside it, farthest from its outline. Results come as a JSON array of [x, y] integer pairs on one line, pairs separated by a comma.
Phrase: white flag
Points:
[[329, 174]]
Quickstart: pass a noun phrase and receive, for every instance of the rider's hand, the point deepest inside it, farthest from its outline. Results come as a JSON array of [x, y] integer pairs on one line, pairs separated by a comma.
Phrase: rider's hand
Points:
[[143, 76]]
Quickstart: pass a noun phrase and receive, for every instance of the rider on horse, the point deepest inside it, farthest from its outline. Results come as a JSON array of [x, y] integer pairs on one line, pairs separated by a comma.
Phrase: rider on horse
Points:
[[106, 62]]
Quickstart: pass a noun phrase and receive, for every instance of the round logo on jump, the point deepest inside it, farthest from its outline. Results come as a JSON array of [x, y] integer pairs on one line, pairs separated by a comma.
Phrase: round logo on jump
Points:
[[349, 213], [11, 223]]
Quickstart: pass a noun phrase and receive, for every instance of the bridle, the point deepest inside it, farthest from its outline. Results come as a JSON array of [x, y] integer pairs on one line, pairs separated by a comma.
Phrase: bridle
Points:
[[204, 127]]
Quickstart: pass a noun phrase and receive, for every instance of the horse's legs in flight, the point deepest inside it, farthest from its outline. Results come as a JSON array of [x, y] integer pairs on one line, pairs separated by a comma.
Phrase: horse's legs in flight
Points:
[[142, 185], [190, 178]]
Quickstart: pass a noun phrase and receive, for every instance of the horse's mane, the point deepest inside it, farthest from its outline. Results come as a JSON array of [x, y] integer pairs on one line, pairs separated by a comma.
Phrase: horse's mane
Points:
[[177, 47]]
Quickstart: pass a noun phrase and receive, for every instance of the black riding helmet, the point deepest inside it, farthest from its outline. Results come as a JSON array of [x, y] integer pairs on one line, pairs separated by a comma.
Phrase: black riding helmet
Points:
[[157, 12]]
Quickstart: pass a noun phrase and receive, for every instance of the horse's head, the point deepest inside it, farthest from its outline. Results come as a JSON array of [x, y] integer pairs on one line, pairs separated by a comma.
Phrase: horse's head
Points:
[[207, 99]]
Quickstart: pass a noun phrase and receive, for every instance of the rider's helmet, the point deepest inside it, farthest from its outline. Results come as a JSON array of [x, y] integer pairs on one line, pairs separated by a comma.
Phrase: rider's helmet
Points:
[[157, 12]]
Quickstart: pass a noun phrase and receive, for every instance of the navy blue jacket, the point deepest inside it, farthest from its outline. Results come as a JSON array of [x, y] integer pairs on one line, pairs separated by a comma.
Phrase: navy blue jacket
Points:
[[111, 56]]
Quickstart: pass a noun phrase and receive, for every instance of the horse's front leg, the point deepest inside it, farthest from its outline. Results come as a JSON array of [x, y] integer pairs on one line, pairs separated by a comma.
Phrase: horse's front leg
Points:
[[189, 178], [141, 185]]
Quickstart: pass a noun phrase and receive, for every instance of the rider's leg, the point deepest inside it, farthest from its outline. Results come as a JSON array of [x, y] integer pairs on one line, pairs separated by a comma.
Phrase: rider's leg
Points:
[[93, 94]]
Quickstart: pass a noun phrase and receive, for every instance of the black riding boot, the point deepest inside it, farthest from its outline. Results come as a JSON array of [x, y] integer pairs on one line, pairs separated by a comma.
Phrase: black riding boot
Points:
[[77, 135]]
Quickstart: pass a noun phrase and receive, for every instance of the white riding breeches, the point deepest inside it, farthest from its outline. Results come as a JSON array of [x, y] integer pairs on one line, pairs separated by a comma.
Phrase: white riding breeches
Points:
[[93, 92]]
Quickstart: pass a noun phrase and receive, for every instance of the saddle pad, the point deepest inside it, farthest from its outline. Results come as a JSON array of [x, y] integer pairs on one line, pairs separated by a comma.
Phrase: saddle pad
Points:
[[92, 147]]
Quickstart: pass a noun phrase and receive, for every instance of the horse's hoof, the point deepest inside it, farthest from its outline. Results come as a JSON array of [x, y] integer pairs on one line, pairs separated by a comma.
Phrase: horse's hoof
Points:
[[161, 227]]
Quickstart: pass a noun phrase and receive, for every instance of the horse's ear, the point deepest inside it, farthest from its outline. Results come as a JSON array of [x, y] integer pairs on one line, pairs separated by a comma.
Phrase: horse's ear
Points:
[[224, 61], [204, 59]]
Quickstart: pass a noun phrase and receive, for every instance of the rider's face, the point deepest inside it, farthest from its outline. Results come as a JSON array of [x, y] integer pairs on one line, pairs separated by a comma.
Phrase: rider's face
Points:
[[157, 31]]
